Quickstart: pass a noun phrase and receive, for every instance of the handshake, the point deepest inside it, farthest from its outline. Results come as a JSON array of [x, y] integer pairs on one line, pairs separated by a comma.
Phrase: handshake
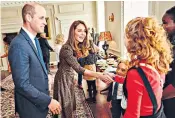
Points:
[[55, 107], [107, 77]]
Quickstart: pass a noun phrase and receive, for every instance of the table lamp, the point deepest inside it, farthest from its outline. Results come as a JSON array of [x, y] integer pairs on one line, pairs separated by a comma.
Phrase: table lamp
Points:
[[105, 36]]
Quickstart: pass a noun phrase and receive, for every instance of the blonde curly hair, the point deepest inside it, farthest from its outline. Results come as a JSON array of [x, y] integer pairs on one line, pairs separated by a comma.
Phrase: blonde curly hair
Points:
[[59, 39], [147, 41], [126, 62]]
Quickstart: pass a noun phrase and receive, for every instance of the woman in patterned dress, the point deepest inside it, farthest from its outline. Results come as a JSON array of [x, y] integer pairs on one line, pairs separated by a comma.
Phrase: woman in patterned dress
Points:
[[75, 47]]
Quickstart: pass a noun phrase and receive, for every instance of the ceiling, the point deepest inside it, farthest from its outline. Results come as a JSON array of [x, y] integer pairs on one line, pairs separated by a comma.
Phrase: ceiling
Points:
[[21, 3]]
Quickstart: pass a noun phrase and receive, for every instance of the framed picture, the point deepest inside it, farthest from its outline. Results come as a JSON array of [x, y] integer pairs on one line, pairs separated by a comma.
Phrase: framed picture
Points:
[[47, 29]]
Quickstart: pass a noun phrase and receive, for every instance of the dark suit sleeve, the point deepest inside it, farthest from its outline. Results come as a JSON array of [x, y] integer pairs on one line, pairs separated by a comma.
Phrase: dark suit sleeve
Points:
[[19, 62], [109, 97], [47, 44]]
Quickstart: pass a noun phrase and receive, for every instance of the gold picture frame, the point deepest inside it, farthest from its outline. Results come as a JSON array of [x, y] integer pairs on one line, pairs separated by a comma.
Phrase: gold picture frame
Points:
[[47, 28]]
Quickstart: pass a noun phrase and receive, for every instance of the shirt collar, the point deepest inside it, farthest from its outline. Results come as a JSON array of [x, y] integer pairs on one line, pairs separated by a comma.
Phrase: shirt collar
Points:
[[29, 34]]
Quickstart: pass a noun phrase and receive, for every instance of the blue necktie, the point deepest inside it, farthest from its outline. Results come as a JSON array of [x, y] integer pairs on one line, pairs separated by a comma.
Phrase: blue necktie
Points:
[[114, 96], [40, 53]]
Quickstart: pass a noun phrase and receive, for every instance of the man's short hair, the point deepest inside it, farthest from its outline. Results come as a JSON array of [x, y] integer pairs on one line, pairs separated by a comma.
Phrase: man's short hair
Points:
[[171, 12], [28, 9]]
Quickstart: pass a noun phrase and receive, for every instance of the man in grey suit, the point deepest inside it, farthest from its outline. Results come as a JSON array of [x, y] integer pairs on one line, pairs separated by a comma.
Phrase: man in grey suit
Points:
[[29, 73]]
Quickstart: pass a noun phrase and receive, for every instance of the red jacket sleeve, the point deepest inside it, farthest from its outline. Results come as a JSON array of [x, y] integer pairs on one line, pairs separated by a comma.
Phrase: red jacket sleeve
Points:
[[135, 88]]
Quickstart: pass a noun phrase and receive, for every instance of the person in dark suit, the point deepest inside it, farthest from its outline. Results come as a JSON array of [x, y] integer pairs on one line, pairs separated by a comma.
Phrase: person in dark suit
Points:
[[29, 74], [45, 47], [7, 40], [168, 20], [116, 89]]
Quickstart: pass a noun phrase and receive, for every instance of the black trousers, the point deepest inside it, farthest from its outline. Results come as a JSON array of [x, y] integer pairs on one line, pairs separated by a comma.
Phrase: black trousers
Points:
[[169, 107], [116, 109], [91, 86], [80, 78]]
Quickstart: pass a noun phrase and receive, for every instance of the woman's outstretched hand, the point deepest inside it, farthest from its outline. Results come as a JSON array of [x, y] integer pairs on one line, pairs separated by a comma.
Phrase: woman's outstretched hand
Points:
[[106, 78], [110, 74]]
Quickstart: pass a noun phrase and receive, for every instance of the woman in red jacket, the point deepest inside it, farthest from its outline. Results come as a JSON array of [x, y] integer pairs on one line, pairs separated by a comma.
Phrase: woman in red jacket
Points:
[[150, 52]]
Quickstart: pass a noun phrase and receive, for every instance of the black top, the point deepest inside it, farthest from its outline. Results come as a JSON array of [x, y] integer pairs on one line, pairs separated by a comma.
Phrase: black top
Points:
[[170, 77], [90, 59]]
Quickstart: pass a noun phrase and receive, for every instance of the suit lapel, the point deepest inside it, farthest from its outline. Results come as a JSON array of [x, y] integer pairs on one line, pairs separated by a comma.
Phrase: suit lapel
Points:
[[33, 47]]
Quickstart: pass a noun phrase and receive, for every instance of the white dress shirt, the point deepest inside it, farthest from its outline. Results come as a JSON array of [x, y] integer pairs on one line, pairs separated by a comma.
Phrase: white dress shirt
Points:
[[119, 90], [31, 36]]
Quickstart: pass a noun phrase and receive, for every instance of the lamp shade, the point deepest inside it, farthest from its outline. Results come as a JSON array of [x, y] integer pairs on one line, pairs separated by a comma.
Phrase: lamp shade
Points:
[[105, 36]]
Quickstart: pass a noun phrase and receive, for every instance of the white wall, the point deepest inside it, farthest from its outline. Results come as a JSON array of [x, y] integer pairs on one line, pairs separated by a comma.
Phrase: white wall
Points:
[[115, 26], [158, 8], [100, 10], [131, 11], [67, 13]]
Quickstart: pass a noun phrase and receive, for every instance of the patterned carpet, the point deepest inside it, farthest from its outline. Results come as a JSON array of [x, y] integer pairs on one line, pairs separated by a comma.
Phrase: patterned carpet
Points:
[[7, 99]]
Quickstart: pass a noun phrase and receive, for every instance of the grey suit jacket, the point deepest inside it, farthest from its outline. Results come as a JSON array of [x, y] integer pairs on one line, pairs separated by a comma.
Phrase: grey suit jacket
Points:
[[30, 78]]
